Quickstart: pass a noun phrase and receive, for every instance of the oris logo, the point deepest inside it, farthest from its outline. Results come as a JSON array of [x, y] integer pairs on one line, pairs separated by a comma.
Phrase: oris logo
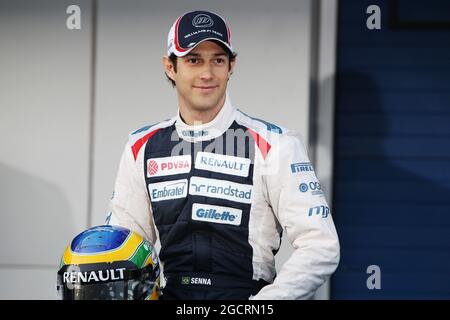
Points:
[[202, 21]]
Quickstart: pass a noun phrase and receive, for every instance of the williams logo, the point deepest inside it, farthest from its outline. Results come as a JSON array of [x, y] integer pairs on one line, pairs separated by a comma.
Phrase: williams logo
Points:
[[301, 167], [168, 190], [202, 21], [93, 276], [216, 214], [236, 166], [323, 210], [157, 167], [222, 189]]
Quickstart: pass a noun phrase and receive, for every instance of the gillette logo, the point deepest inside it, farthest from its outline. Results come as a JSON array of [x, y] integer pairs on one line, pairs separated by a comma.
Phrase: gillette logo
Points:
[[216, 214]]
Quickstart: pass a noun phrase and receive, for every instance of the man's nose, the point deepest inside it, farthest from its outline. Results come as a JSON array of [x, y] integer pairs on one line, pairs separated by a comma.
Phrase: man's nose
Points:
[[207, 73]]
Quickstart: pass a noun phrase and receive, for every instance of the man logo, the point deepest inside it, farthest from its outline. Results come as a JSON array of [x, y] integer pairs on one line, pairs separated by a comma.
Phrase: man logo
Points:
[[152, 168], [202, 21]]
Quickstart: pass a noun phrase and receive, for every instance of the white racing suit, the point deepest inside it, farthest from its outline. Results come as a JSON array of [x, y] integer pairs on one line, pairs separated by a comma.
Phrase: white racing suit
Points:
[[218, 196]]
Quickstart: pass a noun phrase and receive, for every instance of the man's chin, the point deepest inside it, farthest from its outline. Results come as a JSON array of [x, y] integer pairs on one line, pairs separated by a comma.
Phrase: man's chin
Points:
[[206, 104]]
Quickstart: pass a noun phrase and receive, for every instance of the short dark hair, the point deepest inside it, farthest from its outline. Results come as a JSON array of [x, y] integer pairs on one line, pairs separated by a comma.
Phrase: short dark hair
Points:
[[173, 59]]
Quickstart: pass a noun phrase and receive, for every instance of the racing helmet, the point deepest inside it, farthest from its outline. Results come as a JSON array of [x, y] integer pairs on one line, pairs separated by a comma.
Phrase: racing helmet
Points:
[[109, 263]]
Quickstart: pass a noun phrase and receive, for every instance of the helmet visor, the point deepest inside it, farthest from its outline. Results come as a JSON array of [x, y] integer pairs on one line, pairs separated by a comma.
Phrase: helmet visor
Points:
[[117, 290], [114, 281]]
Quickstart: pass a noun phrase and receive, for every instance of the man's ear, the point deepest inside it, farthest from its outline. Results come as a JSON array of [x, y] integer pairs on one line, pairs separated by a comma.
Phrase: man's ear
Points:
[[169, 68], [233, 64]]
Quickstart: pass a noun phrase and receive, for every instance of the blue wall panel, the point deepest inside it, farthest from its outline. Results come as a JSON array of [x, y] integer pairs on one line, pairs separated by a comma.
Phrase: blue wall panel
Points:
[[391, 200]]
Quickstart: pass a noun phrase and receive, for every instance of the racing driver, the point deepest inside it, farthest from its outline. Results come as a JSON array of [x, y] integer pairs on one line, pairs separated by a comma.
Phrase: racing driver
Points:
[[217, 187]]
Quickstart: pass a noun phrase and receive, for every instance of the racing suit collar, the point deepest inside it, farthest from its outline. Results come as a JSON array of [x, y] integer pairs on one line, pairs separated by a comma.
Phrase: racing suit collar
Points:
[[210, 130]]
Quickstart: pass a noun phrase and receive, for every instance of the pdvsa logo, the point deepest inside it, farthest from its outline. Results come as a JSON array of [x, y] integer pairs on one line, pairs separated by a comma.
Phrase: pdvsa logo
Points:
[[168, 166], [216, 214], [152, 167], [202, 21]]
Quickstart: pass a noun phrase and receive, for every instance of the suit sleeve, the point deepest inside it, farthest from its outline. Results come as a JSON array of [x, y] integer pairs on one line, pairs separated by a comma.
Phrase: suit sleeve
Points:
[[296, 199], [130, 206]]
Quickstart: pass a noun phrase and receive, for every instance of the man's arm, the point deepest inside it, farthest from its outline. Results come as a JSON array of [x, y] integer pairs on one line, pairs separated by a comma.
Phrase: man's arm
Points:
[[293, 193], [130, 206]]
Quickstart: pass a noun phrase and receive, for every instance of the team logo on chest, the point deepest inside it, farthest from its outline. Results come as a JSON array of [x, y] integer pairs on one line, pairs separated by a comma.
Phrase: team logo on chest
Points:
[[236, 166], [167, 166]]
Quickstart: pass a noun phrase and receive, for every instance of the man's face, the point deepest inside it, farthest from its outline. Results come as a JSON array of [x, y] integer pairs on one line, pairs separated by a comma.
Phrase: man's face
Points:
[[201, 77]]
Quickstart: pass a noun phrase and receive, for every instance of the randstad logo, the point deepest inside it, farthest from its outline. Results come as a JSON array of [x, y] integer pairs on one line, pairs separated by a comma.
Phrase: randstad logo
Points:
[[301, 167], [216, 214], [168, 190], [222, 189]]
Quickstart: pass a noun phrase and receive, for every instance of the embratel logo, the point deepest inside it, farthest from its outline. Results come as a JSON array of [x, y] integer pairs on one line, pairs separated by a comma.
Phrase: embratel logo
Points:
[[221, 189], [216, 214], [168, 190], [301, 167], [202, 21], [236, 166], [157, 167]]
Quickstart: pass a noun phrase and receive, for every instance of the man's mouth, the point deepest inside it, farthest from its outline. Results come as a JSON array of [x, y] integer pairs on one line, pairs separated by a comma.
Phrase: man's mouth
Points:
[[206, 88]]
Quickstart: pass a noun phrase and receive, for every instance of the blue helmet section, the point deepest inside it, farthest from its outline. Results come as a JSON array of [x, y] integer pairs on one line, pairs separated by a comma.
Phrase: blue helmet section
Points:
[[99, 239]]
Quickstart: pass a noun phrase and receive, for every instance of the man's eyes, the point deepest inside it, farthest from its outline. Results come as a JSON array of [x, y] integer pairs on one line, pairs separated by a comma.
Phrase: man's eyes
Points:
[[197, 61], [193, 60]]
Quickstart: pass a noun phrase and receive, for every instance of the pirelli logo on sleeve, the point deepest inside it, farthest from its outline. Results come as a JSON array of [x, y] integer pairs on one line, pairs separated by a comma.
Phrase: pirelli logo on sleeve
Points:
[[236, 166]]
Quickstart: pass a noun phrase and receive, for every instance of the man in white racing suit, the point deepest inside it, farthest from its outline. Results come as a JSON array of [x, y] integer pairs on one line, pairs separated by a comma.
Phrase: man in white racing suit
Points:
[[217, 187]]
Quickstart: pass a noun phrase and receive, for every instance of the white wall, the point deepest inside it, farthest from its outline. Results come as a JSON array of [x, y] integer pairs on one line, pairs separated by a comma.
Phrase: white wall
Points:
[[45, 107], [44, 136]]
